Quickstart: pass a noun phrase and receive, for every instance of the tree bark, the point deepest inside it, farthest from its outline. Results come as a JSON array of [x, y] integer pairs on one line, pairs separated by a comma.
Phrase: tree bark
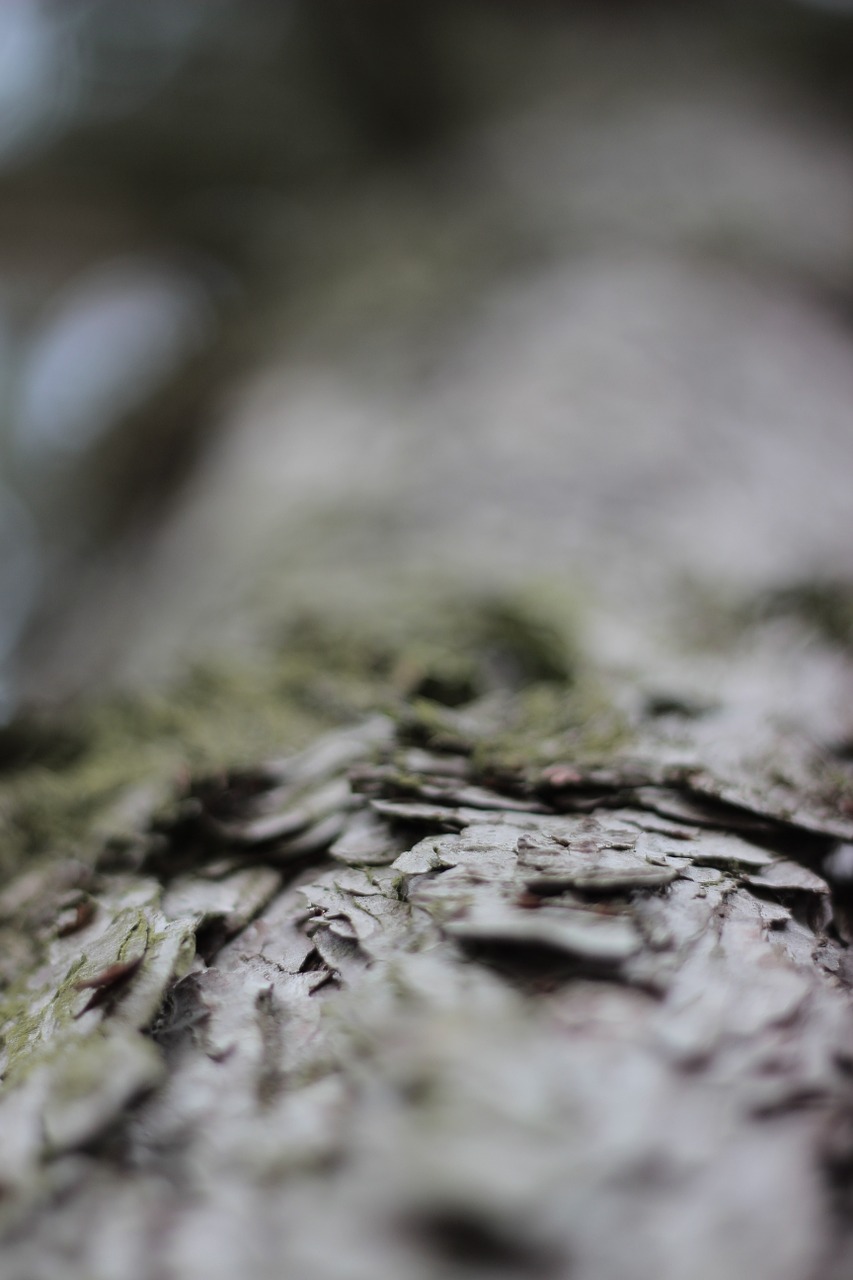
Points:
[[419, 1002], [542, 970]]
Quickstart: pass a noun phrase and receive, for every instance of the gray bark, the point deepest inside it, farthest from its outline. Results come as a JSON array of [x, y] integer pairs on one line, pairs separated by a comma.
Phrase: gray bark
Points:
[[557, 983], [402, 1006]]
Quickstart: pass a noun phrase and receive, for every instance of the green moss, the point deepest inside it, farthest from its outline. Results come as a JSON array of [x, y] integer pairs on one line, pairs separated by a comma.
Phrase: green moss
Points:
[[548, 722], [101, 770], [36, 1021], [20, 1017], [524, 639], [133, 751], [469, 648], [824, 605], [717, 620], [30, 1020]]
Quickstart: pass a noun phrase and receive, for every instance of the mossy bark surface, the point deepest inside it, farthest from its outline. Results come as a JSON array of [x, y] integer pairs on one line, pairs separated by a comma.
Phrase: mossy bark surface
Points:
[[544, 974], [437, 936]]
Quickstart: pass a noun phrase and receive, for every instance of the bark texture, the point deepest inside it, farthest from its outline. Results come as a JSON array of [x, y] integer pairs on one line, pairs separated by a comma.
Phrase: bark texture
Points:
[[410, 1005], [539, 972]]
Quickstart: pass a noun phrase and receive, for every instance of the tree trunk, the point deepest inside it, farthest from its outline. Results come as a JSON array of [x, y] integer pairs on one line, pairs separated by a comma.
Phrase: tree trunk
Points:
[[532, 966], [428, 1001]]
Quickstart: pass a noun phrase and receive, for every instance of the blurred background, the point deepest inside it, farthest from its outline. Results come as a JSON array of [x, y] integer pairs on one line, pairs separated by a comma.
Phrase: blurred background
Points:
[[306, 304]]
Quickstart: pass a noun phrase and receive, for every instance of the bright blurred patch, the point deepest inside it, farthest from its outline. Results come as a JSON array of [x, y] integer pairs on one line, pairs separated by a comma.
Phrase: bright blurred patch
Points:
[[111, 340]]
